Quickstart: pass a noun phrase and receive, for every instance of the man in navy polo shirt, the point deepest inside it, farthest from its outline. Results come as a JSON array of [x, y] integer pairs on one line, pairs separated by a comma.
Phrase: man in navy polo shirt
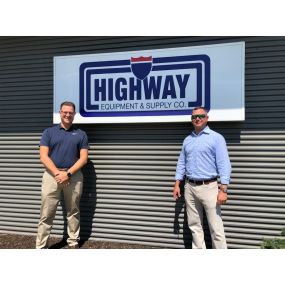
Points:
[[63, 152]]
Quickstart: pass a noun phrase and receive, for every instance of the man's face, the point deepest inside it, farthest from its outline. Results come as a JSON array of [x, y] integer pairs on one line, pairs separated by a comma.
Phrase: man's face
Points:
[[67, 114], [199, 119]]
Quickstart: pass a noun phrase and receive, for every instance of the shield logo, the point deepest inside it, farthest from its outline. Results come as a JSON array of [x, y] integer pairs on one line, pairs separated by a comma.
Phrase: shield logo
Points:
[[141, 66]]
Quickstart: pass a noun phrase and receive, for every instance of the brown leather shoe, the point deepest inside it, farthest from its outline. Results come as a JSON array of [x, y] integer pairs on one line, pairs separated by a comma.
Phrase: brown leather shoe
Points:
[[73, 246]]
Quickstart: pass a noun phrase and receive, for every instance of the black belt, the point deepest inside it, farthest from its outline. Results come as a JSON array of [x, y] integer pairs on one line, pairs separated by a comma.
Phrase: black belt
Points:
[[200, 182]]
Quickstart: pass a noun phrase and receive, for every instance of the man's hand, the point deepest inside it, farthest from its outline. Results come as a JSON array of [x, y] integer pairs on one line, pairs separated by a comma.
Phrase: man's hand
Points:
[[62, 178], [176, 190], [222, 196]]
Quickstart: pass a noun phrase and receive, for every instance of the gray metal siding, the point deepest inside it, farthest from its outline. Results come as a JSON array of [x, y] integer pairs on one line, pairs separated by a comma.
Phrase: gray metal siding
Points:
[[129, 178]]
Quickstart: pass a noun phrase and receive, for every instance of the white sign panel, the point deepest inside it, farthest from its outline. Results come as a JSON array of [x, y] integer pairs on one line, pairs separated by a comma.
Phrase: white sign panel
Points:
[[161, 85]]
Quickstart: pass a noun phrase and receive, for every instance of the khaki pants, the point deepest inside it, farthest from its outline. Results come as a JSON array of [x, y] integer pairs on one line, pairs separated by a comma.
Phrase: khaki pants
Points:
[[51, 194], [197, 197]]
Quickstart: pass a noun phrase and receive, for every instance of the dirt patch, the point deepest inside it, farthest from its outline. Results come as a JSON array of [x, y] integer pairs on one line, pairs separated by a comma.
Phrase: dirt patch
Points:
[[15, 241]]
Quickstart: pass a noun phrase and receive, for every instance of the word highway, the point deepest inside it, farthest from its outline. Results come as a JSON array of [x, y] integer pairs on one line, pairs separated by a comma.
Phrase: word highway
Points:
[[152, 87]]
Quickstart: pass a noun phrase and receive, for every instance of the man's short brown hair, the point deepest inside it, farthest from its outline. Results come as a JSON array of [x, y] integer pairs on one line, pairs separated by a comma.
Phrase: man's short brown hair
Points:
[[67, 103]]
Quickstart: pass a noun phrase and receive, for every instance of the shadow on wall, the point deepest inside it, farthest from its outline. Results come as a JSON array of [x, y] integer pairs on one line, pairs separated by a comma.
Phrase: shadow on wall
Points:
[[88, 201], [87, 207], [187, 236]]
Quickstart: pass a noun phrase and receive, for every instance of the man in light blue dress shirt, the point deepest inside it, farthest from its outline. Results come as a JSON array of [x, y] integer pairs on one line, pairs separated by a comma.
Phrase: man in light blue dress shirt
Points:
[[204, 158]]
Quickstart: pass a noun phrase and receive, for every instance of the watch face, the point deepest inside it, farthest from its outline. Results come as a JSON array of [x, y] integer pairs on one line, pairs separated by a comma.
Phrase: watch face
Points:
[[69, 174]]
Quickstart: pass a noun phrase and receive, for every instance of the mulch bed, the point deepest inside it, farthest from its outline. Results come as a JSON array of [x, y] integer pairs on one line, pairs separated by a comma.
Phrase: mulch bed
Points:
[[15, 241]]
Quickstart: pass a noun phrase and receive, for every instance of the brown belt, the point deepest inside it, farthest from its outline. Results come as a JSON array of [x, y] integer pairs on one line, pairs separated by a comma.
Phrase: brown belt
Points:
[[200, 182]]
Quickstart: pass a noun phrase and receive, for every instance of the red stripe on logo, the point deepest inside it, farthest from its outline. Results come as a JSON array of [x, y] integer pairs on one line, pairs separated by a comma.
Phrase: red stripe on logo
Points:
[[141, 58]]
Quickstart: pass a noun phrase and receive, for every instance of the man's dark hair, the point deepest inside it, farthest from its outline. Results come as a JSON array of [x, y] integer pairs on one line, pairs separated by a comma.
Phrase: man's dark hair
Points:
[[197, 108], [67, 103]]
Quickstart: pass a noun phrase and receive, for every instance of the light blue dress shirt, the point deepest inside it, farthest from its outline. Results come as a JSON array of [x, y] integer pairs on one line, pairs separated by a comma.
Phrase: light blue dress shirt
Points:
[[204, 156]]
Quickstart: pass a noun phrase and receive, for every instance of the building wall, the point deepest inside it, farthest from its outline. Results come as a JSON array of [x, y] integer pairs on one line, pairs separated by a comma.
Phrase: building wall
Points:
[[130, 175]]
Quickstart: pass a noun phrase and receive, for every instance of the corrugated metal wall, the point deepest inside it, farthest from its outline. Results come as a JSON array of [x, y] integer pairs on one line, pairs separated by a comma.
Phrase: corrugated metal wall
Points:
[[130, 175]]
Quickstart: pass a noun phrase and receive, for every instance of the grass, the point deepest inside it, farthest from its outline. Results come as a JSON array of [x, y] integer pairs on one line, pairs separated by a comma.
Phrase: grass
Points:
[[275, 243]]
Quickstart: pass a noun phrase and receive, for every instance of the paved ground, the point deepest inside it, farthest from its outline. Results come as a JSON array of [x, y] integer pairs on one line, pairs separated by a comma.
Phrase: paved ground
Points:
[[14, 241]]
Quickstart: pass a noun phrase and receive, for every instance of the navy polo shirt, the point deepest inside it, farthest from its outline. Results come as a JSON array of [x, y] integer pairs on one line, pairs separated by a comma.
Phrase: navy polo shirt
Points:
[[64, 145]]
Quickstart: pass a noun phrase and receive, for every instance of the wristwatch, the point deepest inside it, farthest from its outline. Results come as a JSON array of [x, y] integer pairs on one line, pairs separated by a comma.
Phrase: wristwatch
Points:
[[69, 174]]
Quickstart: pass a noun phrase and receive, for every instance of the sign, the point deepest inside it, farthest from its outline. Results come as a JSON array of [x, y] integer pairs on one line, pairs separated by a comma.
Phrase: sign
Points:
[[161, 85]]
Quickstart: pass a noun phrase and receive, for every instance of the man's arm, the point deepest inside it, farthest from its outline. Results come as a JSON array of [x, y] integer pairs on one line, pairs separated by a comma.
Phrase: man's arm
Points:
[[46, 161], [181, 165], [223, 160], [224, 169], [80, 162], [180, 172], [62, 176]]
